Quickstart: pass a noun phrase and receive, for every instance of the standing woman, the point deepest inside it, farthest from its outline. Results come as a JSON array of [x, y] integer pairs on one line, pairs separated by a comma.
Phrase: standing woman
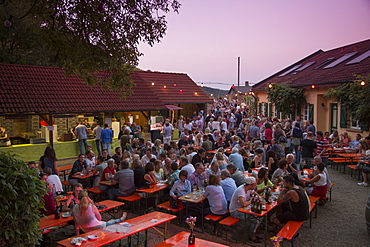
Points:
[[268, 131], [180, 125], [49, 159]]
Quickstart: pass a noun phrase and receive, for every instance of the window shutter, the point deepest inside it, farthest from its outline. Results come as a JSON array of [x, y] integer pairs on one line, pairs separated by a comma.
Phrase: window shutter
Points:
[[311, 109], [265, 112], [343, 116], [270, 109], [259, 107], [364, 127]]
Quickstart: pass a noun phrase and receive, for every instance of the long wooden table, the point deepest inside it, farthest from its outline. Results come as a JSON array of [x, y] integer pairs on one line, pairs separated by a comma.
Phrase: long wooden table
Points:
[[49, 221], [181, 240], [194, 200], [64, 169], [263, 214], [154, 188], [139, 224]]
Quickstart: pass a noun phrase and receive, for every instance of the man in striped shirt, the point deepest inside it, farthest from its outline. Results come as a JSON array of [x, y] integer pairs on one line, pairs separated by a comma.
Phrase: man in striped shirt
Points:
[[322, 146]]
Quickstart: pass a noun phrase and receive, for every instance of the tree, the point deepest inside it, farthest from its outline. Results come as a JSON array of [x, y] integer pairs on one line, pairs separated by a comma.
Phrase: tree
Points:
[[83, 36], [20, 191], [285, 97], [355, 97]]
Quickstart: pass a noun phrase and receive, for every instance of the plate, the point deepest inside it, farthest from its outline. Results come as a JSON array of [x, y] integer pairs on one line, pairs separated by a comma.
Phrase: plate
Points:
[[92, 237], [187, 196], [65, 215]]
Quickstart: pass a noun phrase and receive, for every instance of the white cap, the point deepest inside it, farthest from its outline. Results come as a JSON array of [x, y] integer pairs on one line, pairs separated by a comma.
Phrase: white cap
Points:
[[250, 180]]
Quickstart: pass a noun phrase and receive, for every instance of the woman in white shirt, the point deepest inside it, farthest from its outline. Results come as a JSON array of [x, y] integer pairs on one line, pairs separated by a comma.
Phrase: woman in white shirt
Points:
[[320, 187], [216, 197]]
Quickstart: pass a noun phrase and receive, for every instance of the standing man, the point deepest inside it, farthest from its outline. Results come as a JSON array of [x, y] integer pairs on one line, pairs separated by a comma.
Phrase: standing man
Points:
[[97, 132], [81, 135], [106, 138], [167, 132], [136, 130], [308, 148], [322, 147], [311, 127], [254, 131], [242, 197]]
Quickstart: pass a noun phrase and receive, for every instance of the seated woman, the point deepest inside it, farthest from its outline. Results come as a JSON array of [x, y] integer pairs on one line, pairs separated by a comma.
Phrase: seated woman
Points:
[[73, 198], [345, 139], [158, 171], [49, 202], [320, 187], [245, 154], [221, 160], [281, 172], [148, 179], [87, 216], [263, 181], [181, 187], [272, 162], [257, 160], [216, 197]]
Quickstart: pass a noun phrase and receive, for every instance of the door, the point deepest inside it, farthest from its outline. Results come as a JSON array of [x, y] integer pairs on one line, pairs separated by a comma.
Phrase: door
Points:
[[333, 117]]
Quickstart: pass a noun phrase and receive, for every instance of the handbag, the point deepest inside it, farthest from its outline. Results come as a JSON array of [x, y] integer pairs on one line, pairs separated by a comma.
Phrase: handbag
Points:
[[282, 139], [175, 204], [296, 141]]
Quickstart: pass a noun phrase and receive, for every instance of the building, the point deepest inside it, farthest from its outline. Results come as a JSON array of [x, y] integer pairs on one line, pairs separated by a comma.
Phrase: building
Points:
[[317, 73], [33, 96]]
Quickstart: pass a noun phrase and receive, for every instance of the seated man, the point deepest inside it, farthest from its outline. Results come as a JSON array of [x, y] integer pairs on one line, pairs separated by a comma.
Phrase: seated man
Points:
[[53, 179], [298, 201], [242, 197], [237, 175], [125, 179], [199, 157], [197, 177], [186, 166], [228, 185]]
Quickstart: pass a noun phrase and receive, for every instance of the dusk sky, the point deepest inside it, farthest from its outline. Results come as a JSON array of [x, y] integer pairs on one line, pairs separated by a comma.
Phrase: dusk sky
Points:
[[206, 38]]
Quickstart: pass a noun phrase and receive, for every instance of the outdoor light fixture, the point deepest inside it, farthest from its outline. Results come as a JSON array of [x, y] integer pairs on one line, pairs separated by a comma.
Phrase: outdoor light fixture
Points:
[[211, 94], [362, 83], [313, 86], [152, 83], [202, 85], [180, 90], [165, 86], [270, 85], [195, 93], [174, 85]]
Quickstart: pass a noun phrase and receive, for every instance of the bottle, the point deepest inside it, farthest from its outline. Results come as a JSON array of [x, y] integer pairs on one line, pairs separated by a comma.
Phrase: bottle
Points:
[[54, 191], [57, 213], [267, 195], [253, 205]]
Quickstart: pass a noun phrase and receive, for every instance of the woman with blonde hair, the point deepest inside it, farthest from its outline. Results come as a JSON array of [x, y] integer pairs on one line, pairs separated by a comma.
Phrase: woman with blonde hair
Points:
[[87, 216], [198, 140]]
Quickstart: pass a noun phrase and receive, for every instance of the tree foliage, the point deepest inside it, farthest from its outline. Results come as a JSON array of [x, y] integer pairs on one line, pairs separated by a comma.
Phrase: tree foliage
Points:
[[285, 97], [83, 36], [20, 191], [355, 97]]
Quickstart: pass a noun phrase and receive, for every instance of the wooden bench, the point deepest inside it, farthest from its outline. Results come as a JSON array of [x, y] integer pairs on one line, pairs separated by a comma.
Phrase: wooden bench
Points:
[[214, 219], [131, 199], [67, 185], [290, 230], [230, 221], [167, 207], [96, 191], [314, 199], [356, 169], [312, 206]]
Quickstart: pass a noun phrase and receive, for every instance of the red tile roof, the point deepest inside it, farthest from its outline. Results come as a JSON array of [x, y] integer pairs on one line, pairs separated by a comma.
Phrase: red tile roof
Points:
[[323, 76], [175, 88], [36, 89]]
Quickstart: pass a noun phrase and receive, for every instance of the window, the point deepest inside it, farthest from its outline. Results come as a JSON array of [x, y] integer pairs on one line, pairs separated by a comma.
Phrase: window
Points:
[[354, 124], [308, 112]]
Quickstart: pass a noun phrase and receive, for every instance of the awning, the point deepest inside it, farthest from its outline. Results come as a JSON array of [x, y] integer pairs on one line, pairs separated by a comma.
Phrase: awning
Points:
[[173, 107]]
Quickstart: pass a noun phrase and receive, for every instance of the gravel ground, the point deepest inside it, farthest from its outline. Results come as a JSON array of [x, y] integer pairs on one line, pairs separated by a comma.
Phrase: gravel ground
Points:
[[340, 222]]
